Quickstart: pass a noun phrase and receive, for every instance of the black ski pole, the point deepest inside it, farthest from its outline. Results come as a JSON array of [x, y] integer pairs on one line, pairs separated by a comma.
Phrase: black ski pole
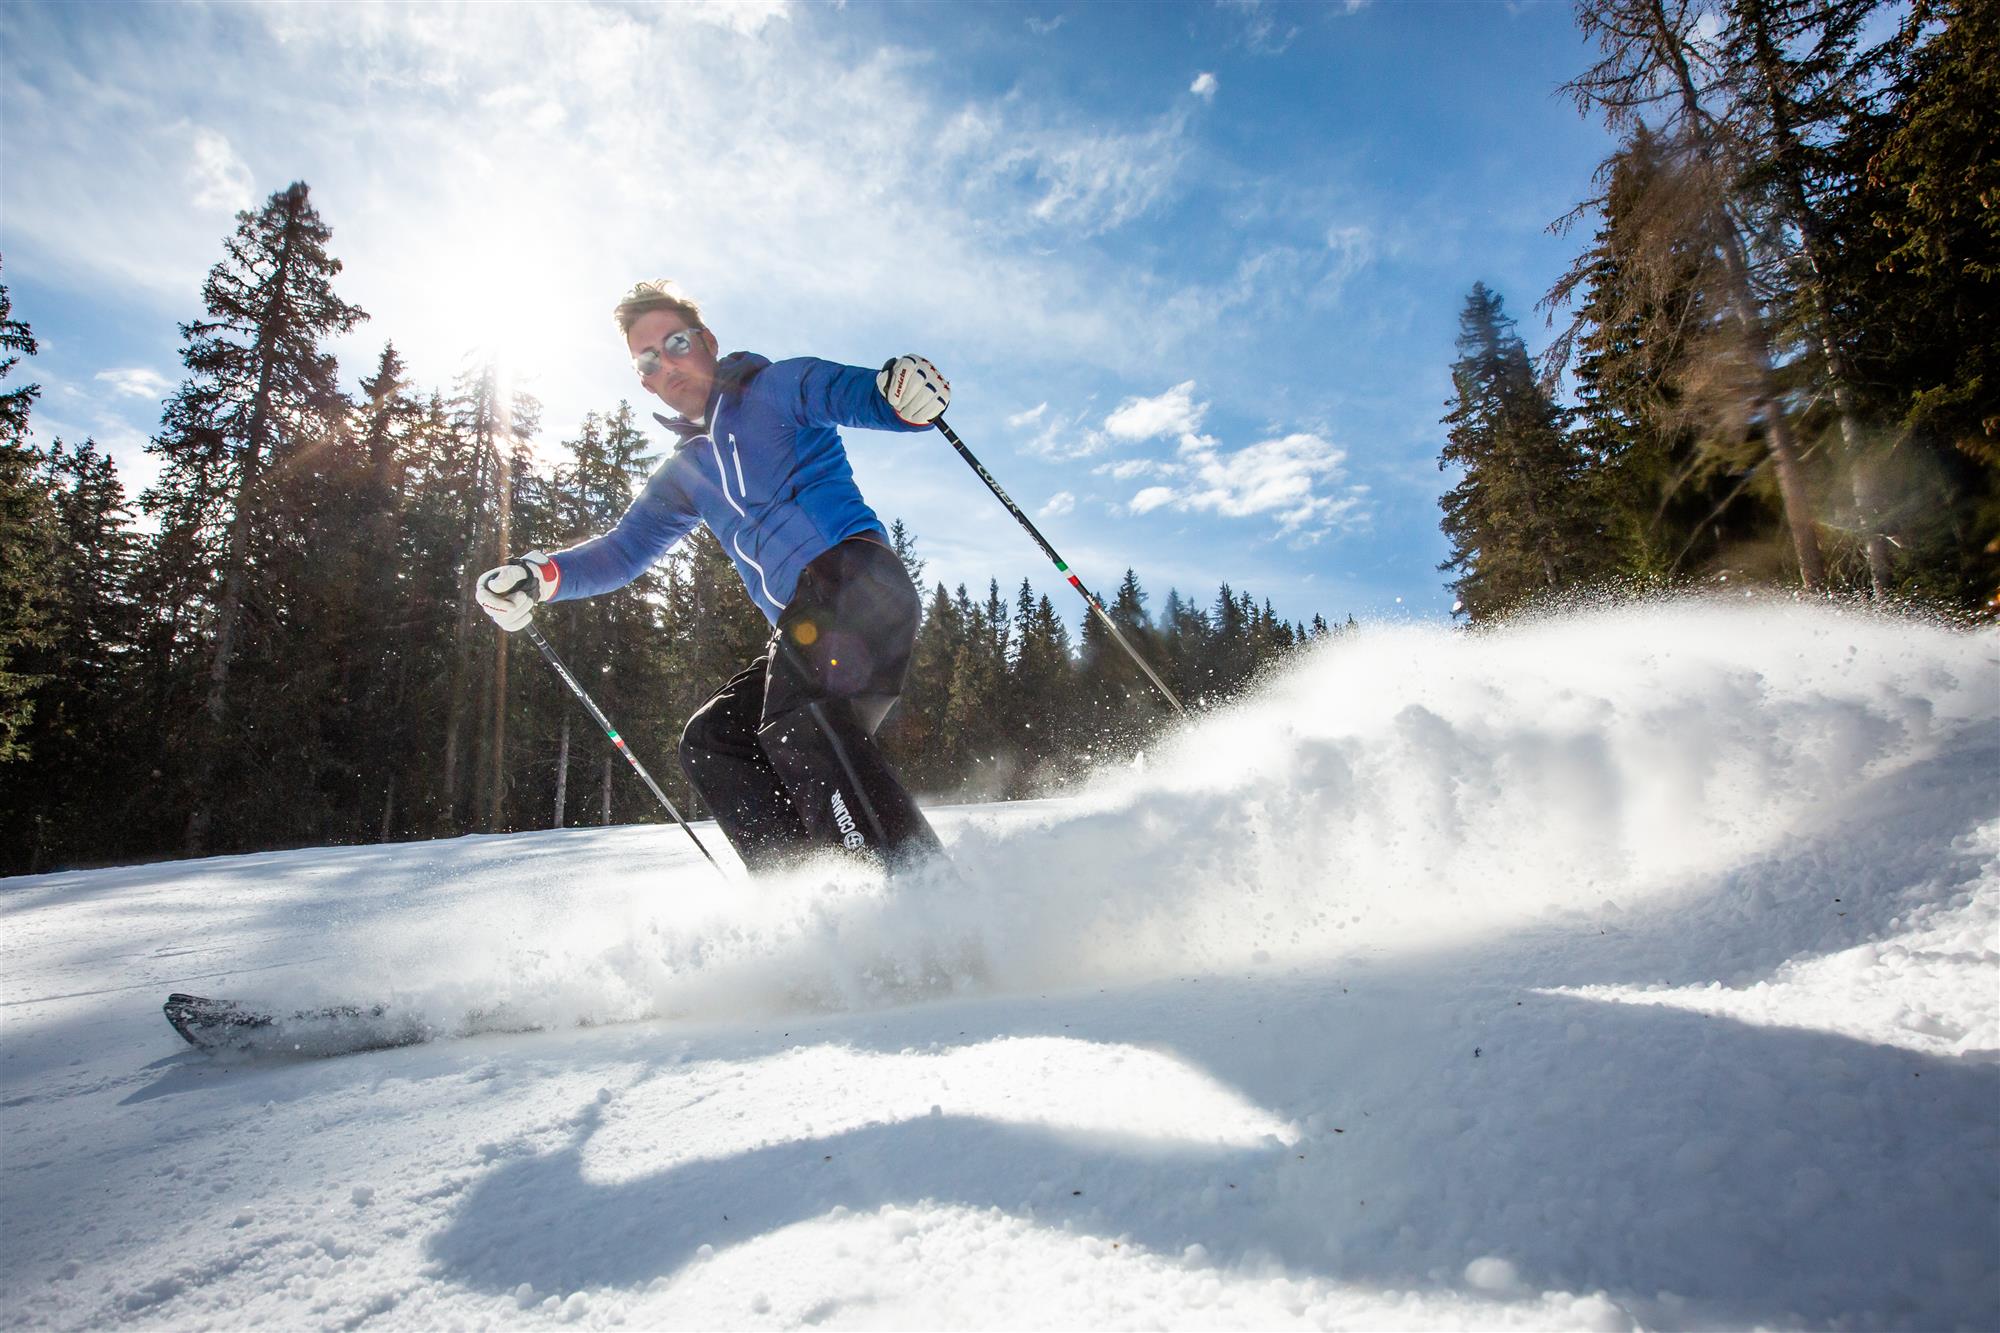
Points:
[[535, 633], [1061, 568]]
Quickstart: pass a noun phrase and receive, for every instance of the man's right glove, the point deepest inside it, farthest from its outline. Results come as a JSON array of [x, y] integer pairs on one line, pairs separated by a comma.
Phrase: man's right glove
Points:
[[914, 389], [508, 592]]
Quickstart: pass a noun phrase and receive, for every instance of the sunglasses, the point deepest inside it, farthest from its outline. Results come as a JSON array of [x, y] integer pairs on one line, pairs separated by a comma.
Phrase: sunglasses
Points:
[[676, 345]]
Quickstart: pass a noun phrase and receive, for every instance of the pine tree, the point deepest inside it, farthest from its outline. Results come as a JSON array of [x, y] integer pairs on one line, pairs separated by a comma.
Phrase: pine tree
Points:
[[1515, 518], [492, 426], [978, 669], [1039, 689], [904, 542], [1797, 74], [622, 641], [383, 573], [915, 737], [60, 793], [1674, 492], [26, 535], [260, 391], [1653, 63], [1919, 254]]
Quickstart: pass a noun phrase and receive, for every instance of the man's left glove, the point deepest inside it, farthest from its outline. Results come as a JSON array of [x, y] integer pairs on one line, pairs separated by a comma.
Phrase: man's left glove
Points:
[[914, 389], [508, 592]]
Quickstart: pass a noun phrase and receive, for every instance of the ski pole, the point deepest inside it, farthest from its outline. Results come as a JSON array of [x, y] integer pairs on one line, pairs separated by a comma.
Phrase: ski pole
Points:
[[597, 714], [1061, 567]]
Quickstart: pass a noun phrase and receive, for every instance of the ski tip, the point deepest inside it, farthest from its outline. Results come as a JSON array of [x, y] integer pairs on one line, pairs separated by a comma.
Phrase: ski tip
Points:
[[201, 1021], [180, 1010]]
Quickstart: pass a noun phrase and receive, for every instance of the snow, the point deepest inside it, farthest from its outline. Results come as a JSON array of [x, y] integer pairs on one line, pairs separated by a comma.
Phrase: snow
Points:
[[1636, 968]]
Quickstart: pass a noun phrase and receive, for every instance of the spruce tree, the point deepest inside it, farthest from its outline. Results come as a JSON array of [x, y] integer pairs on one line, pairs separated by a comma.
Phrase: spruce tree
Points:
[[26, 536], [1515, 518], [63, 799], [492, 426], [260, 390], [1678, 488], [1654, 73], [1920, 255]]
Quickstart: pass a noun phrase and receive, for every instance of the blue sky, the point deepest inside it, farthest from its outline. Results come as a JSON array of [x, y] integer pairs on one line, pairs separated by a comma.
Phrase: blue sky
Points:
[[1194, 271]]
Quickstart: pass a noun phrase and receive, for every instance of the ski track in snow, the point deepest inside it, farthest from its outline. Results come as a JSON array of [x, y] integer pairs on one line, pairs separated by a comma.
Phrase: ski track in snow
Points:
[[1631, 968]]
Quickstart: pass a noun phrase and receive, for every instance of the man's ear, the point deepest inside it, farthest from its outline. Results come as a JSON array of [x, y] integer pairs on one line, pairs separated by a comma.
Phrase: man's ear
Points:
[[714, 347]]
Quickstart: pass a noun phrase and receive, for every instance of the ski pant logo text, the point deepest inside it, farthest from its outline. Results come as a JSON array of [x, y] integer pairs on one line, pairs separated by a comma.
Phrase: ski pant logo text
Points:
[[849, 834]]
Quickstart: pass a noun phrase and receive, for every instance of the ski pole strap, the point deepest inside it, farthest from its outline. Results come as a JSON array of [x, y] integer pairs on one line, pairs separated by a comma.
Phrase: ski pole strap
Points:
[[611, 732], [1061, 567]]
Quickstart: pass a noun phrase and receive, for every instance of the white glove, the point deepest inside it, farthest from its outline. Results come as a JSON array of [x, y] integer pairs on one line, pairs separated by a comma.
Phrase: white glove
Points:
[[914, 389], [509, 592]]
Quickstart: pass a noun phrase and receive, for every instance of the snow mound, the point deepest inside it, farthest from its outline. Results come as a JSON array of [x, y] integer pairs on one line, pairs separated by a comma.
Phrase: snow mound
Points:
[[1402, 789]]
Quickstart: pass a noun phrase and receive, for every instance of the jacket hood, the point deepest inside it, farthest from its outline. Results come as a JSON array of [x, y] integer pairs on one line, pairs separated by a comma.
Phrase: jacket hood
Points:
[[732, 374]]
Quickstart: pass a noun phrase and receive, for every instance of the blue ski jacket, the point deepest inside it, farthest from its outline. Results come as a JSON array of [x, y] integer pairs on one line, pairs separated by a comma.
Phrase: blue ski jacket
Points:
[[767, 473]]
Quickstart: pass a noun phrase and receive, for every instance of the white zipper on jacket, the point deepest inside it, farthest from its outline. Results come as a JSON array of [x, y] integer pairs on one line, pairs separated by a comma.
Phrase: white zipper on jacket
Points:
[[735, 539]]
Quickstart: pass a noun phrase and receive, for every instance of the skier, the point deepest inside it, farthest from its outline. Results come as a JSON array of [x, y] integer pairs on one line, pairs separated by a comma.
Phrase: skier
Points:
[[783, 753]]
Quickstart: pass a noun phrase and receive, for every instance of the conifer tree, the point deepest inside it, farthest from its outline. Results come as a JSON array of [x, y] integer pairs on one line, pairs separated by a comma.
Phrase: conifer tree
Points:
[[260, 390], [1795, 74], [1920, 259], [385, 559], [60, 792], [492, 426], [1677, 487], [26, 531], [1653, 64], [914, 736], [1039, 687], [1515, 518], [620, 640]]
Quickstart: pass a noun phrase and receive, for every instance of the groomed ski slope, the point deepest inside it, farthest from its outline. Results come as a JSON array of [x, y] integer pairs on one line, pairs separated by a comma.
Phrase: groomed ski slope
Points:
[[1634, 968]]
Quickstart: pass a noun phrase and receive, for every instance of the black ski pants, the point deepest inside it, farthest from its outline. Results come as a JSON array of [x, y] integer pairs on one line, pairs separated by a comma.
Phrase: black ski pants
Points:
[[784, 755]]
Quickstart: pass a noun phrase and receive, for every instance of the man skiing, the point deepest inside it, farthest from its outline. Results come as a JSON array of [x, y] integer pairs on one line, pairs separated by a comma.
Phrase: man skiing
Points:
[[783, 754]]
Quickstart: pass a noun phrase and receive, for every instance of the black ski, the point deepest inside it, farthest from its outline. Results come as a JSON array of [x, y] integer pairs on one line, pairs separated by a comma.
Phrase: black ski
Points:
[[228, 1025]]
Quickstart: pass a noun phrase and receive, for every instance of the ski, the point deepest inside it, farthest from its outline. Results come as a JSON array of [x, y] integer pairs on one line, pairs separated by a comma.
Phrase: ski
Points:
[[340, 1029], [329, 1030]]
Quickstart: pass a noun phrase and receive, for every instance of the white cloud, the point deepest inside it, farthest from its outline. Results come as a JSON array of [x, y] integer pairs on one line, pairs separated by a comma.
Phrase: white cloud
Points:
[[221, 179], [1127, 469], [745, 17], [1033, 416], [1204, 86], [135, 382], [1171, 413], [1062, 438], [1082, 180], [1062, 502], [1294, 479], [422, 130], [1043, 27], [1350, 249], [1261, 33]]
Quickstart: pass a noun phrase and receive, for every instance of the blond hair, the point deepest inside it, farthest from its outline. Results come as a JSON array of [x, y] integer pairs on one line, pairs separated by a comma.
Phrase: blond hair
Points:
[[660, 294]]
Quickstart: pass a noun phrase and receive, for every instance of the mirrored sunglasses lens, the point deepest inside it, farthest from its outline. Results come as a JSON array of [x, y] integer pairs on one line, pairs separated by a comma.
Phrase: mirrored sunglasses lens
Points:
[[677, 344], [646, 363]]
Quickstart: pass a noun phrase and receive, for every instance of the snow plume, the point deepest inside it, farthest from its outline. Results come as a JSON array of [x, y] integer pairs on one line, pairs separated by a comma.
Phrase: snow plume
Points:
[[1401, 789]]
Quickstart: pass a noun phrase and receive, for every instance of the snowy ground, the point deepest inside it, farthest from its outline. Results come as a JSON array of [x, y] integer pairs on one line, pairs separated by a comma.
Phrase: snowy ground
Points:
[[1638, 968]]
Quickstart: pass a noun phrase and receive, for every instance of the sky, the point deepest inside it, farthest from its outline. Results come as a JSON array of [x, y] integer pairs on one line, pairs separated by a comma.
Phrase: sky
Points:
[[1194, 271]]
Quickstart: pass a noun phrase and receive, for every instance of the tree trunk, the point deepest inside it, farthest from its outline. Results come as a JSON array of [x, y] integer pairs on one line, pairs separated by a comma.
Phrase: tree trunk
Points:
[[504, 542], [562, 771], [1788, 152], [229, 610], [461, 680], [1792, 490]]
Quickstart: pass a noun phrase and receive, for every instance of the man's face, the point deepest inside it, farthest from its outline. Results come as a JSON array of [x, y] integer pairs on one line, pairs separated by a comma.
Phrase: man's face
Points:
[[682, 382]]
